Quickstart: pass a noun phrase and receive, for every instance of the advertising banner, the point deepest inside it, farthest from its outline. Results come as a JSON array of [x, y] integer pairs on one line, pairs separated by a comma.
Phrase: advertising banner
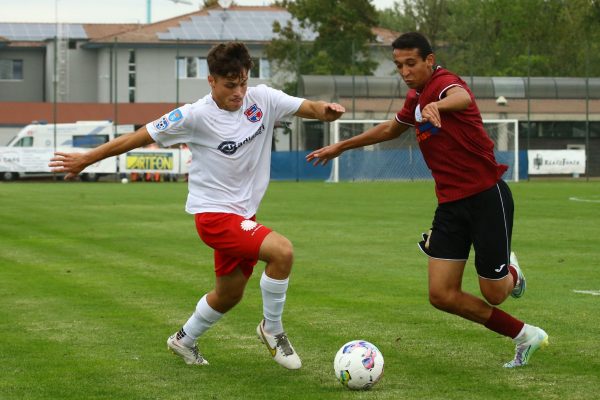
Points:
[[154, 160], [546, 162], [36, 159]]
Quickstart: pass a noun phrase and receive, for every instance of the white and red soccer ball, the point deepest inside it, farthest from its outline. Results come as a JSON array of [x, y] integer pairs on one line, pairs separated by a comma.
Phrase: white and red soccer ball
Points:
[[358, 365]]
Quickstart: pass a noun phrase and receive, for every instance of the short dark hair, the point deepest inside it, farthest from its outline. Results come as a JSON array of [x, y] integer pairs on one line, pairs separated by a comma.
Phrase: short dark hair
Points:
[[413, 40], [230, 59]]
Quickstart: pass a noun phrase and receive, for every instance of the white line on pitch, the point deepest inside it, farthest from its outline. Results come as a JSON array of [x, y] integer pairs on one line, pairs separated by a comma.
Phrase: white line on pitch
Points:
[[584, 200], [592, 292]]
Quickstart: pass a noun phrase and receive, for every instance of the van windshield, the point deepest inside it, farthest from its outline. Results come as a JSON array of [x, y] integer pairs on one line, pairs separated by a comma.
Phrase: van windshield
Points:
[[24, 142]]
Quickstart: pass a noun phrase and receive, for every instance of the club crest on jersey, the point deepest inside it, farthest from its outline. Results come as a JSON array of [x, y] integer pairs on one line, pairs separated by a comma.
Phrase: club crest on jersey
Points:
[[161, 124], [253, 113]]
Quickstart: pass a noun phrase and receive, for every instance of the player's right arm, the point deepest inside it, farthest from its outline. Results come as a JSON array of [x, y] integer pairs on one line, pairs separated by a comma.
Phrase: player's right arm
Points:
[[74, 163], [379, 133]]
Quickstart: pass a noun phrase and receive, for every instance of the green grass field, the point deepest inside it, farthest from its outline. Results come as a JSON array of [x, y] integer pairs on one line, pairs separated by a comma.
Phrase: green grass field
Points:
[[95, 277]]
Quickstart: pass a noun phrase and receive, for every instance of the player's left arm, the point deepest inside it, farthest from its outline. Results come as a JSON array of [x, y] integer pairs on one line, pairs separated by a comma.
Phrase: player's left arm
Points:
[[320, 110], [456, 99]]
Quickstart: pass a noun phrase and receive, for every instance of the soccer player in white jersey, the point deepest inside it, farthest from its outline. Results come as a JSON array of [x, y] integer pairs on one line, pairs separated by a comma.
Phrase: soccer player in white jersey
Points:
[[229, 133]]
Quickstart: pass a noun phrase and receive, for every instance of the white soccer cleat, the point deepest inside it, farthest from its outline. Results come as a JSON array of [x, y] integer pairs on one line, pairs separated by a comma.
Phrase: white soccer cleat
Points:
[[191, 355], [533, 339], [279, 347], [520, 286]]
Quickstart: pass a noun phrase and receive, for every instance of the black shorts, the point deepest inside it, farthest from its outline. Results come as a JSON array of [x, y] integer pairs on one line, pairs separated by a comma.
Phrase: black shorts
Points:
[[484, 220]]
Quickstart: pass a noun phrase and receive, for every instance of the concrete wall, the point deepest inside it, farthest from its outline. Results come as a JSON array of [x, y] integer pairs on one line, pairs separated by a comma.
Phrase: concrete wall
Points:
[[31, 88], [156, 76], [83, 73]]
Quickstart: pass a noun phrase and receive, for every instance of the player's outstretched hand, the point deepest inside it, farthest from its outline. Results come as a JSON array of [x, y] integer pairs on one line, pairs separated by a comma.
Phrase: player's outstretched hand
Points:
[[324, 154], [333, 111], [431, 113], [71, 163]]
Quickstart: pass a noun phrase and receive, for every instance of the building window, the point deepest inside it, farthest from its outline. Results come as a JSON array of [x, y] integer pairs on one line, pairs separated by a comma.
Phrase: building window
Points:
[[197, 68], [191, 68], [131, 70], [11, 70], [559, 129], [260, 68], [265, 69]]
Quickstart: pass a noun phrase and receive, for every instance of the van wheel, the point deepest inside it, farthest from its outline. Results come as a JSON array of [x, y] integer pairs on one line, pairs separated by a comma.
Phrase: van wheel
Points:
[[92, 177], [9, 176]]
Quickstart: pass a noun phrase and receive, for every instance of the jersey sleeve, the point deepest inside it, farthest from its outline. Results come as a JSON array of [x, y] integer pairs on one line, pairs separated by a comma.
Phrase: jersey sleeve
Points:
[[442, 83], [172, 128], [283, 104]]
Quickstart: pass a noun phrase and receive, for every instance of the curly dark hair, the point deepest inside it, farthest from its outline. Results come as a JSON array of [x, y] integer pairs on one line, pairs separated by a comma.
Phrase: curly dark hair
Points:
[[230, 59]]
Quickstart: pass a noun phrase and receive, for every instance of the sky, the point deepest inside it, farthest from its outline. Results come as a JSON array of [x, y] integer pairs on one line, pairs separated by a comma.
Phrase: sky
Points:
[[110, 11]]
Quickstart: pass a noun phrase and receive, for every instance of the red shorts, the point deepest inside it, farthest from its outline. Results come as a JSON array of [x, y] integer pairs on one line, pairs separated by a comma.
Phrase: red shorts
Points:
[[235, 239]]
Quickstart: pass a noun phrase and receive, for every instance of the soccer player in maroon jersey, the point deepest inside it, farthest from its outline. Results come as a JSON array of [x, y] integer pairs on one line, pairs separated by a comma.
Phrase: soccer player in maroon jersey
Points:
[[475, 206]]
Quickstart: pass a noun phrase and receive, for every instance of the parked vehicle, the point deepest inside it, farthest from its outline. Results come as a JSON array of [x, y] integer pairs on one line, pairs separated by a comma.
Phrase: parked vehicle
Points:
[[26, 154]]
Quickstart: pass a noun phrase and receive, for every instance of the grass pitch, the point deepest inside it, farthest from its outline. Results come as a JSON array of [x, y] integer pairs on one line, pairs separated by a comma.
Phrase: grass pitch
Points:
[[95, 277]]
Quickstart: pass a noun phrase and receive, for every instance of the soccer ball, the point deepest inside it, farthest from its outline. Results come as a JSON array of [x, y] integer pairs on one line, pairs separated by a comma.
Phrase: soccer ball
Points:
[[358, 365], [124, 180]]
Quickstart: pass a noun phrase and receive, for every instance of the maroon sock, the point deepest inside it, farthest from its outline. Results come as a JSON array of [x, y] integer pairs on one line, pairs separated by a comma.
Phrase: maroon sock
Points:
[[504, 323], [514, 274]]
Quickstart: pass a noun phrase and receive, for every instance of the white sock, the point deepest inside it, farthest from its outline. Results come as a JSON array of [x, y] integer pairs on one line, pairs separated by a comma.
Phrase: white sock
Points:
[[273, 294], [201, 320], [522, 334]]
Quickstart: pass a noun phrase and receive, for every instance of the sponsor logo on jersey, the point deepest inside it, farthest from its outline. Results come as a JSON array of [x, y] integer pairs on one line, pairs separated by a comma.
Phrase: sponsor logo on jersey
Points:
[[230, 147], [253, 113], [175, 116], [161, 124], [424, 131]]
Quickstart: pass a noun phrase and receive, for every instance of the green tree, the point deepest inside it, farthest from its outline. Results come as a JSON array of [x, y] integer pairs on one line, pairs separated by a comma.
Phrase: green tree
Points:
[[426, 16], [214, 3], [506, 38], [341, 46]]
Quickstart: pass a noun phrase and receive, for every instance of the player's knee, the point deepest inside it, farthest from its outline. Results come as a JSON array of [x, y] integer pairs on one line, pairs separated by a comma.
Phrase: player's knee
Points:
[[285, 253], [441, 300]]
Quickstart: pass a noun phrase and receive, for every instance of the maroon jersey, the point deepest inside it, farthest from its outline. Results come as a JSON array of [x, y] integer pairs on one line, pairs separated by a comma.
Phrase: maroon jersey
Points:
[[460, 154]]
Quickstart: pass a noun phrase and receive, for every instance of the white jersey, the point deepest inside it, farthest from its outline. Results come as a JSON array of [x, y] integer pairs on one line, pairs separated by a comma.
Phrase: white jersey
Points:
[[231, 150]]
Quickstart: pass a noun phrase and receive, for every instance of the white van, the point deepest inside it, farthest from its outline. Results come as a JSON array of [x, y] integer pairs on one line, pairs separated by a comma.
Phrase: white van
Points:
[[81, 134], [35, 138]]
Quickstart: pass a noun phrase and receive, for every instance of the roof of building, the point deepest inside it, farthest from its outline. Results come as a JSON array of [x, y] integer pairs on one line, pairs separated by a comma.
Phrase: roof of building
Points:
[[244, 23], [39, 32]]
